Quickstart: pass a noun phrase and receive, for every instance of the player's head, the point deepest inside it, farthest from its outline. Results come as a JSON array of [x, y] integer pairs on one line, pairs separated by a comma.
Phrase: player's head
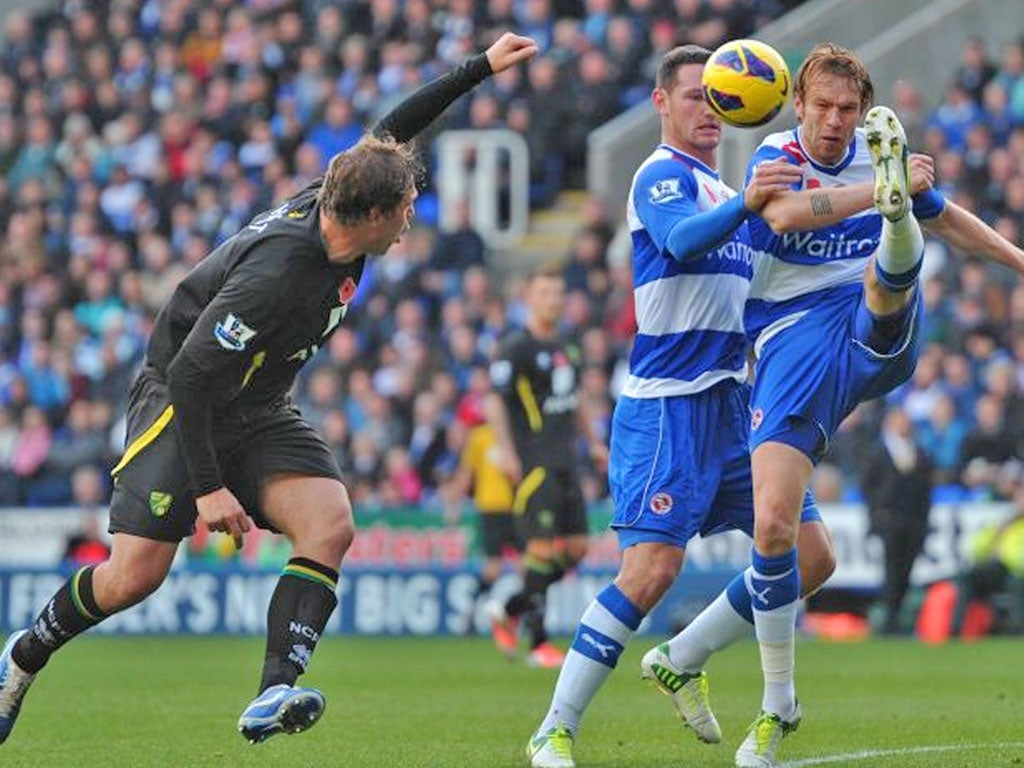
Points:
[[545, 296], [832, 90], [372, 187], [687, 121]]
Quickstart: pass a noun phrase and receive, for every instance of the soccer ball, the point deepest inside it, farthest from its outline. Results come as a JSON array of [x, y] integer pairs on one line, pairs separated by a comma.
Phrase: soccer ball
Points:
[[746, 82]]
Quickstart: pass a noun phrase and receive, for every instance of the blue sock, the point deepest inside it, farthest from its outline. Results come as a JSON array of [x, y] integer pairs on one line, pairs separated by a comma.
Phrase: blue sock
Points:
[[774, 585], [739, 596]]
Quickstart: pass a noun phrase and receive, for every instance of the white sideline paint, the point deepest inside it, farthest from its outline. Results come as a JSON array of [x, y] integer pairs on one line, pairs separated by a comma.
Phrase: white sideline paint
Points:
[[869, 754]]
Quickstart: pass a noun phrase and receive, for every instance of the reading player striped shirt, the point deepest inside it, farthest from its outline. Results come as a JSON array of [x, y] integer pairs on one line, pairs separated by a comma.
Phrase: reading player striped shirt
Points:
[[689, 313]]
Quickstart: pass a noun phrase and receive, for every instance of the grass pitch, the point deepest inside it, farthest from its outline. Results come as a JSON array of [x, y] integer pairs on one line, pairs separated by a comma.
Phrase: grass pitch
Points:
[[393, 703]]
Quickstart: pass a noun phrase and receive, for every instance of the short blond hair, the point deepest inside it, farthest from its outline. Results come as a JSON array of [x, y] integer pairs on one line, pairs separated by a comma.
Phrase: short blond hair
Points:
[[832, 59]]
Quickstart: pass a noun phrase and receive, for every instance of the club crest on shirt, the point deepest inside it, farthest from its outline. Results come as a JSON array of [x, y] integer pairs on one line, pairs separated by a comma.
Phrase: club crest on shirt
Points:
[[232, 334], [756, 418], [665, 191], [661, 503]]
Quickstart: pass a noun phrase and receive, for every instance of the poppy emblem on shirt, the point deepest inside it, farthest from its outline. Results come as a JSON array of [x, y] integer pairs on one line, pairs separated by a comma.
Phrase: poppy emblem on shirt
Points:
[[756, 418], [346, 290], [661, 503]]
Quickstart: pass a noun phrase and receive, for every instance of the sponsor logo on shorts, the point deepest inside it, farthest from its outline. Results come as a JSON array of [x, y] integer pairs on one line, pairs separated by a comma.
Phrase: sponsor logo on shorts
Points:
[[756, 418], [160, 503], [661, 503]]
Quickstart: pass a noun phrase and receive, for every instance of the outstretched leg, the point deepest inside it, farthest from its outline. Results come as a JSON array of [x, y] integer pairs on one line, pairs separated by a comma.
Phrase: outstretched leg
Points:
[[136, 567]]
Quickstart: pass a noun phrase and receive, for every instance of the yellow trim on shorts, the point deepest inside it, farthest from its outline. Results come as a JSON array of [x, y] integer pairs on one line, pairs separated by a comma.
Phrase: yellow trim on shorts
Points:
[[529, 404], [533, 480], [144, 439]]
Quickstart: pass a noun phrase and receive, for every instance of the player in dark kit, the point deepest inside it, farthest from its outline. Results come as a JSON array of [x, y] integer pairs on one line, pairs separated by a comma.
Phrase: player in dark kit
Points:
[[537, 414], [211, 430]]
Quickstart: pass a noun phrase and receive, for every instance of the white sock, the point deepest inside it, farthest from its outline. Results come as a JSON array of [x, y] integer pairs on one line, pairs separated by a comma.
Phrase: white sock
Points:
[[716, 627], [774, 586], [605, 628], [776, 633], [900, 251]]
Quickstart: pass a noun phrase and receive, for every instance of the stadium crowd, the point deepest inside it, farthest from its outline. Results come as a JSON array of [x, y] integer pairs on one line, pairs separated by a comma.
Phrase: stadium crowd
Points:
[[136, 135]]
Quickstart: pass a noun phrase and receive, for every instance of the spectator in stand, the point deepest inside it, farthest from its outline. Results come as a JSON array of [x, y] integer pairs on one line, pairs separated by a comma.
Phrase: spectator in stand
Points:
[[9, 485], [31, 450], [457, 248], [897, 484], [594, 101], [402, 485], [975, 70], [1011, 78], [338, 130], [942, 438], [955, 116], [87, 546], [997, 568], [990, 466], [1000, 380]]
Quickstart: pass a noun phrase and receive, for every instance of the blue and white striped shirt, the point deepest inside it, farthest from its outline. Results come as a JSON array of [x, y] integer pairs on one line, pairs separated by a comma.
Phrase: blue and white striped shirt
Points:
[[690, 312]]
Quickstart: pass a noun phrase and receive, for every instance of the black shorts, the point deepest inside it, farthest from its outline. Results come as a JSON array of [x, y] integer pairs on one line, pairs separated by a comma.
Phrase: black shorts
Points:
[[498, 531], [152, 497], [549, 504]]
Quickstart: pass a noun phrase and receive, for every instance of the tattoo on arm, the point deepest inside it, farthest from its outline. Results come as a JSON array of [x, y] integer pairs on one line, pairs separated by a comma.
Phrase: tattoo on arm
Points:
[[820, 205]]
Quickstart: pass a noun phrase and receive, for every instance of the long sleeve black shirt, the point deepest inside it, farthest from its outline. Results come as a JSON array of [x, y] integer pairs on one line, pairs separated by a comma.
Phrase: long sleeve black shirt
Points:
[[244, 321]]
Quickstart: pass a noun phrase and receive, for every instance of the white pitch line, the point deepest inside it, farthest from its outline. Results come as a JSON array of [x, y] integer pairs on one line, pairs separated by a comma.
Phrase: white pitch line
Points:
[[868, 754]]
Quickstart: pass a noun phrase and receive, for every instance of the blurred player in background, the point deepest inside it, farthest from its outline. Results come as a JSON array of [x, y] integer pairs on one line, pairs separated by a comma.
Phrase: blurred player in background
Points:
[[536, 414], [834, 313], [679, 461], [480, 471], [212, 432]]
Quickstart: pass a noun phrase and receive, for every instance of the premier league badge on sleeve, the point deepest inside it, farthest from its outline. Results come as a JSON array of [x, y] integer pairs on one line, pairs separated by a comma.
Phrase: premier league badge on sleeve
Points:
[[665, 191], [232, 334]]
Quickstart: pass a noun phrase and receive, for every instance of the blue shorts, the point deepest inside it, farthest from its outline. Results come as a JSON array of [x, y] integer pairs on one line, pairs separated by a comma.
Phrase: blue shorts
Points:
[[680, 466], [811, 375]]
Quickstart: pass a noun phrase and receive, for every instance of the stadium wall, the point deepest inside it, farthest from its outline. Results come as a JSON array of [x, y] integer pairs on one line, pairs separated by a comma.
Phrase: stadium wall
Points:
[[407, 578]]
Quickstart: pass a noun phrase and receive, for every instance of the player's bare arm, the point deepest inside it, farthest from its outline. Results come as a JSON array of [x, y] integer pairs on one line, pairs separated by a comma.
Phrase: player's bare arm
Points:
[[497, 417], [792, 211], [966, 232], [775, 177], [595, 445], [428, 101]]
